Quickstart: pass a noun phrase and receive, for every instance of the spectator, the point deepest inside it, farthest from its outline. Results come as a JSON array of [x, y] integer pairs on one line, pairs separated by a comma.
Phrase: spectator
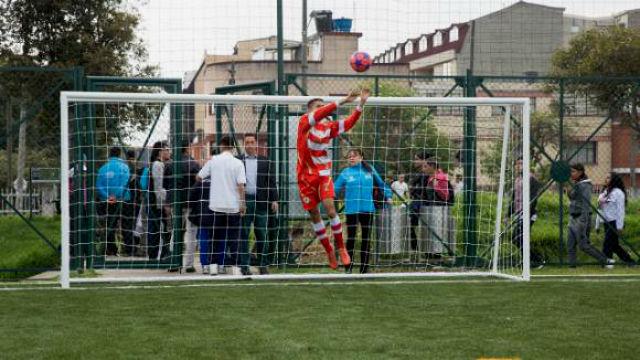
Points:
[[612, 203], [357, 181], [261, 195], [434, 213], [157, 207], [190, 169], [458, 173], [201, 218], [459, 184], [226, 200], [400, 189], [580, 218], [113, 193], [515, 210], [415, 191], [134, 203]]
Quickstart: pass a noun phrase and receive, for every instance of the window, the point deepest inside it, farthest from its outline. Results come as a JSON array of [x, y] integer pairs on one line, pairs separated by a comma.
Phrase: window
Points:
[[437, 39], [453, 34], [587, 154], [408, 47], [423, 45], [581, 105], [398, 52]]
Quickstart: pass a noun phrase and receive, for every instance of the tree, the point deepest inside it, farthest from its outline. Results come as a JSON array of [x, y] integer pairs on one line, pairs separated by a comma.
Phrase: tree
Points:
[[543, 129], [606, 52], [392, 135], [98, 35]]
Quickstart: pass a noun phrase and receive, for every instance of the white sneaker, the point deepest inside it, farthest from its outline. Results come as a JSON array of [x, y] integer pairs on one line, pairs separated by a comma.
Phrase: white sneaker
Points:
[[213, 269], [205, 269], [221, 269], [235, 270], [610, 263]]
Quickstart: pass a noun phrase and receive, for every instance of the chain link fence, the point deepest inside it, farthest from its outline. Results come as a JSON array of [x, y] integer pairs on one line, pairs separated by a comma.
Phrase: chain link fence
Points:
[[30, 158], [592, 121]]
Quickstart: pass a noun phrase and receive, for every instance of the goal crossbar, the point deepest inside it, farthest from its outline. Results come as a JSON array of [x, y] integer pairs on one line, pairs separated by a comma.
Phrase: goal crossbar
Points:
[[97, 97]]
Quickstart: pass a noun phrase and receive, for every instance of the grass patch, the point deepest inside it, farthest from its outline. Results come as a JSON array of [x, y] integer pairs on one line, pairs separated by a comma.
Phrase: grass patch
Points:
[[22, 248], [537, 320]]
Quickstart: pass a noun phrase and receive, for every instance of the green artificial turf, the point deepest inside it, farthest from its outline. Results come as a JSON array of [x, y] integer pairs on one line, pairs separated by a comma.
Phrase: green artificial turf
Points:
[[364, 320]]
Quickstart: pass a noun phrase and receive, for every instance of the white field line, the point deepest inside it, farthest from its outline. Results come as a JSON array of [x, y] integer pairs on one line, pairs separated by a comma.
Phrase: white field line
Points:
[[546, 278]]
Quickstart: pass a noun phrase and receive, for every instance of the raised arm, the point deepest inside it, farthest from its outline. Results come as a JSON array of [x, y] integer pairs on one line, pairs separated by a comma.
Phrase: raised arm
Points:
[[343, 125]]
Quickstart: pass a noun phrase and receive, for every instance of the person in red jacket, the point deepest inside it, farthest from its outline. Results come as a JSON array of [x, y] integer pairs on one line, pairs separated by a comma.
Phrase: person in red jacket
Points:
[[315, 132]]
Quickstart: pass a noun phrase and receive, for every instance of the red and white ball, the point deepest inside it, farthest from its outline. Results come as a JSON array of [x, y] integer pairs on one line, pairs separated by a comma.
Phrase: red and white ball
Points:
[[360, 61]]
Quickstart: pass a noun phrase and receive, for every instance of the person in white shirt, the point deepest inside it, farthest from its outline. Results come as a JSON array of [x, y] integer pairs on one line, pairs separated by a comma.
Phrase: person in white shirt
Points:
[[611, 203], [400, 188], [226, 200]]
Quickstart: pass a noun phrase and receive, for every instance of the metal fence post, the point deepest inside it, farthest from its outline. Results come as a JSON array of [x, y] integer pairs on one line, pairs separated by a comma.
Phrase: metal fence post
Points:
[[560, 185], [469, 171]]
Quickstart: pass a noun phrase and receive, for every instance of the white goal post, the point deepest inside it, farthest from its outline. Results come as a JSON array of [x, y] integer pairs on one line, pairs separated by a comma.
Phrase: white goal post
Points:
[[507, 107]]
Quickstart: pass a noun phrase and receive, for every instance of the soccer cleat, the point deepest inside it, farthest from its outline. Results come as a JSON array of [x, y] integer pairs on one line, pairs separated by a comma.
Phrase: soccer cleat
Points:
[[344, 256], [333, 262], [609, 264], [205, 269]]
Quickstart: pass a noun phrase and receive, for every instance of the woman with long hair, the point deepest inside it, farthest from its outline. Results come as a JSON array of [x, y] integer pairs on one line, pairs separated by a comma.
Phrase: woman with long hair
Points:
[[158, 236], [357, 181], [580, 218], [611, 203]]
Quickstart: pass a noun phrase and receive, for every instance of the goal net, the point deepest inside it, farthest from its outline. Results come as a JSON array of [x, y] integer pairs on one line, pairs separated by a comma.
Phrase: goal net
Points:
[[423, 187]]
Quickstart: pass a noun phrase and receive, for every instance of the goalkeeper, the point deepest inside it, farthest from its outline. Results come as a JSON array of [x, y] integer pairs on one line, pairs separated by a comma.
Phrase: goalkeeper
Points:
[[315, 132]]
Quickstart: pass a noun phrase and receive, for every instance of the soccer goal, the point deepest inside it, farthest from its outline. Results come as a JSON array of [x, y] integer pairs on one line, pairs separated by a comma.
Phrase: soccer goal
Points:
[[424, 187]]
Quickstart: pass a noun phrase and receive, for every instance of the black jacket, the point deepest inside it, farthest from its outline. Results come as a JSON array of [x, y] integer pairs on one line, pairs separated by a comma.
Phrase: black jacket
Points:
[[189, 169], [266, 186], [200, 214]]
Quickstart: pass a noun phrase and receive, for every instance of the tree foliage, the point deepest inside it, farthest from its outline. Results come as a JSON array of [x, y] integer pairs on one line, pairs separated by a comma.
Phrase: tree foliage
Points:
[[544, 129], [604, 52], [100, 36], [392, 135]]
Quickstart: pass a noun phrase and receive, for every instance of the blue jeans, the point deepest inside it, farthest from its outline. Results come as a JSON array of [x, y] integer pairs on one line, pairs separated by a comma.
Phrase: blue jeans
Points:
[[204, 239]]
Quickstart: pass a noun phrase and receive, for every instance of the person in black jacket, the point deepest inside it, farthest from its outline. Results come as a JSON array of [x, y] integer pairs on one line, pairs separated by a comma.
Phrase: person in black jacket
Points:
[[179, 192], [415, 190], [261, 196], [580, 218], [515, 210]]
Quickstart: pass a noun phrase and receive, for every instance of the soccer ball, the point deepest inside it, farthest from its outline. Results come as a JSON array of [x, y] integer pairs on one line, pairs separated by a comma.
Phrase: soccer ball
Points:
[[360, 61]]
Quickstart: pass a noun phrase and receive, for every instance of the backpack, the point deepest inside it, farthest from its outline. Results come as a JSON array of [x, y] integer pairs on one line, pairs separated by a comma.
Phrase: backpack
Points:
[[144, 179], [434, 197]]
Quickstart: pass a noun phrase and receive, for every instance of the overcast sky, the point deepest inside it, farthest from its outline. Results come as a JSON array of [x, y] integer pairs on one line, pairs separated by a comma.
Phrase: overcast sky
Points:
[[178, 33]]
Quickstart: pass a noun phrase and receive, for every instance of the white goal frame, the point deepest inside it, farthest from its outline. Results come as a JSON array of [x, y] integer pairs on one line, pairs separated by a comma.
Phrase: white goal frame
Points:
[[67, 97]]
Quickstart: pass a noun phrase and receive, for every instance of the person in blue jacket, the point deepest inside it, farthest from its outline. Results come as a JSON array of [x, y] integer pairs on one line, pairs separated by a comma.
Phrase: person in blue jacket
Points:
[[357, 182], [112, 185]]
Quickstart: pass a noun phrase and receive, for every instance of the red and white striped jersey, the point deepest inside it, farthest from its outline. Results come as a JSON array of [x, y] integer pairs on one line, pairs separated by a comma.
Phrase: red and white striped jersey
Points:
[[314, 138]]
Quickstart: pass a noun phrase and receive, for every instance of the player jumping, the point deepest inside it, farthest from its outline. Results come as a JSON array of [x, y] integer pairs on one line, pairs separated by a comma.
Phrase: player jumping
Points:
[[315, 132]]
